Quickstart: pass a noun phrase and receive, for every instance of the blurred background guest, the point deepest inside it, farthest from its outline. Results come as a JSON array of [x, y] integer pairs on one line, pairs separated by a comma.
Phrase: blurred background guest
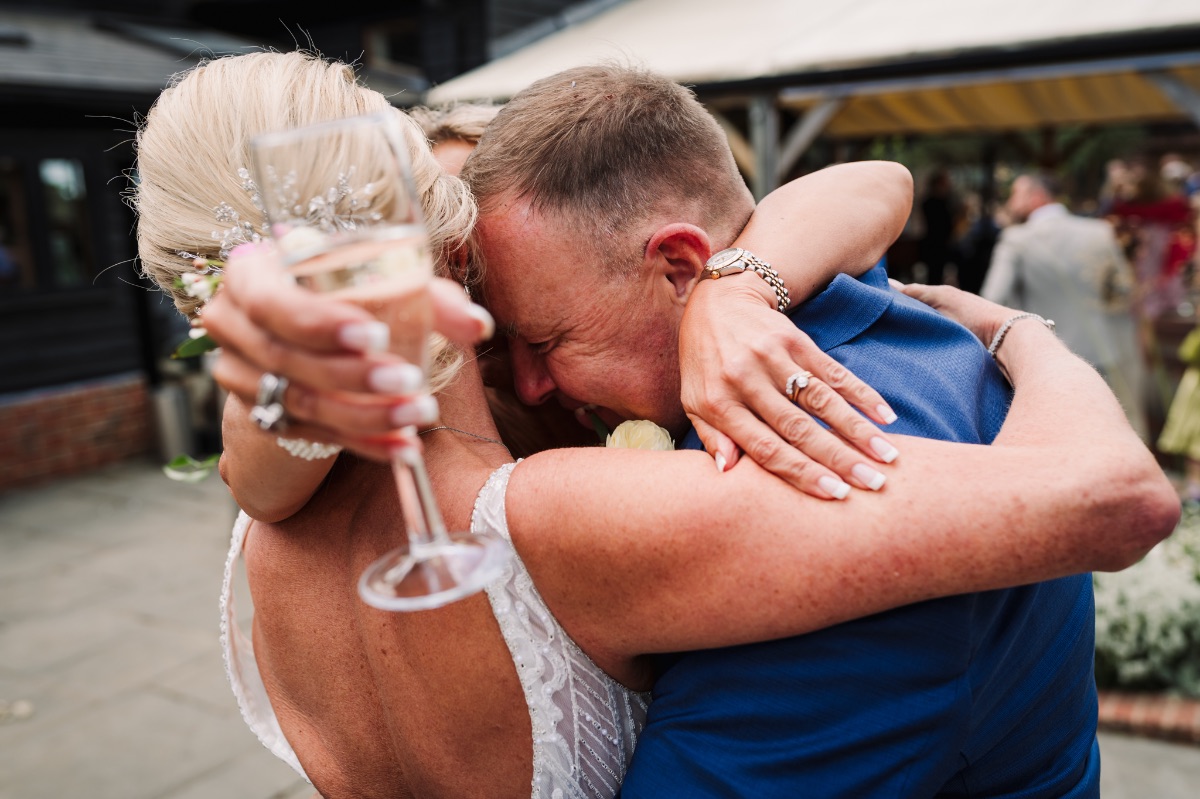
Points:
[[1181, 434], [940, 212], [1154, 215], [973, 250], [1072, 270]]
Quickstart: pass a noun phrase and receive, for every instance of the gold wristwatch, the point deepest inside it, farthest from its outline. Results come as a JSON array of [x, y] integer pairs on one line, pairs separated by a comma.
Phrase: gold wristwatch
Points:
[[735, 259]]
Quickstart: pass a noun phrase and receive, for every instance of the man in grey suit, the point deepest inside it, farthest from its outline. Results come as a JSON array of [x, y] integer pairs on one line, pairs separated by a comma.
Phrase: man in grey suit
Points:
[[1071, 269]]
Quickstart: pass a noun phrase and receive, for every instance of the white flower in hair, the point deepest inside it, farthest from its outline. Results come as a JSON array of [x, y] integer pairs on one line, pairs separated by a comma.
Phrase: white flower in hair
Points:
[[197, 285]]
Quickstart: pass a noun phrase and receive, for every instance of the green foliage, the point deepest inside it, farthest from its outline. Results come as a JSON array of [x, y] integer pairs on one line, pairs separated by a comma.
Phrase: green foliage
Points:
[[1148, 617], [192, 347], [187, 469]]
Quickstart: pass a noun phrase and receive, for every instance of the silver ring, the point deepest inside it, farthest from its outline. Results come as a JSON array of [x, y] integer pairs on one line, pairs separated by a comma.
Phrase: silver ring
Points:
[[268, 411], [795, 384]]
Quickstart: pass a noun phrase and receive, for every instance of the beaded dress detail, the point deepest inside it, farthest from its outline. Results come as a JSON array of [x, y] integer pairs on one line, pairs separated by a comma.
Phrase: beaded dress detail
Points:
[[242, 669], [585, 724]]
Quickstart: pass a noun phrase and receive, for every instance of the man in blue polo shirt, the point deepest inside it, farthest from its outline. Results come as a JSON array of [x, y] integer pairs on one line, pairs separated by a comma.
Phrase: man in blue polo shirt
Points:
[[987, 694], [602, 193]]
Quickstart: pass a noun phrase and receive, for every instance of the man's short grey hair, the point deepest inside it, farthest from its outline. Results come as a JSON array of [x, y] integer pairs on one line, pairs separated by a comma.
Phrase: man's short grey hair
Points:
[[1045, 181], [607, 147]]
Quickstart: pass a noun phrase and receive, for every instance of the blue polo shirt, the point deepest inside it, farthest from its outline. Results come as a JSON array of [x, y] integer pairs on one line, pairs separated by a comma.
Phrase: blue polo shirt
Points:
[[981, 695]]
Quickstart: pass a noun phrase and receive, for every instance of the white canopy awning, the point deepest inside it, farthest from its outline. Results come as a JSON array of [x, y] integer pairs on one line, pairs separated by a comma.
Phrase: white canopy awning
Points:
[[716, 41], [876, 67]]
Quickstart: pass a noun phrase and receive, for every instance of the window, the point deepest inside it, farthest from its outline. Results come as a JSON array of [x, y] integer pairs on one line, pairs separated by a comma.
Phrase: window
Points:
[[16, 256], [67, 229], [46, 240]]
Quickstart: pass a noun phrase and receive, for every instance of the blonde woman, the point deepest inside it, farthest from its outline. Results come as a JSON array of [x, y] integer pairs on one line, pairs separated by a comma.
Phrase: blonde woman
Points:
[[534, 687]]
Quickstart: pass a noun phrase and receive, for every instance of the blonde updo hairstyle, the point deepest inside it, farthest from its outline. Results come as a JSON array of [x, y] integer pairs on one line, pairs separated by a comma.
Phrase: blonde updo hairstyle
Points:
[[457, 122], [197, 136]]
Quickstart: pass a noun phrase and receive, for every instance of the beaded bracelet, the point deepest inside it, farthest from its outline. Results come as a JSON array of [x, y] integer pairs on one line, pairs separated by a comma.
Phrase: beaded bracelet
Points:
[[307, 450], [1003, 331]]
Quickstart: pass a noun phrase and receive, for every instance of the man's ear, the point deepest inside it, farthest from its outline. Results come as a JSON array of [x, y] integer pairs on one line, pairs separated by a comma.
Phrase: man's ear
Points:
[[677, 252]]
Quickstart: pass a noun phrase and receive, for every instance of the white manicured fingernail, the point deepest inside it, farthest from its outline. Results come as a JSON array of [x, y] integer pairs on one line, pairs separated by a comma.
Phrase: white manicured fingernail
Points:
[[834, 487], [886, 452], [885, 413], [422, 410], [365, 336], [481, 315], [720, 459], [396, 378], [868, 476], [896, 284]]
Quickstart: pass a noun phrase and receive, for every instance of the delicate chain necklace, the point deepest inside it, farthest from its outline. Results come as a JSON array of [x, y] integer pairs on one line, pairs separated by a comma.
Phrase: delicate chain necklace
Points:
[[464, 432]]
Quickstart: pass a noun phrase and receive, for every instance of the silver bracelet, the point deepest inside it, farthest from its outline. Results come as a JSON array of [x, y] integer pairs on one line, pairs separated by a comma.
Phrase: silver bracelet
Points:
[[308, 450], [1003, 331]]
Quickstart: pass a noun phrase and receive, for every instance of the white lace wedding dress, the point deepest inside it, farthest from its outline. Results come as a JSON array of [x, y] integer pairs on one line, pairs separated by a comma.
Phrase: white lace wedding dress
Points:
[[585, 725]]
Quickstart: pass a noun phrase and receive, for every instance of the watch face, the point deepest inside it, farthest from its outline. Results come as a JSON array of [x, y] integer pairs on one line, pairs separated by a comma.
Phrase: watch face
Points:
[[724, 258]]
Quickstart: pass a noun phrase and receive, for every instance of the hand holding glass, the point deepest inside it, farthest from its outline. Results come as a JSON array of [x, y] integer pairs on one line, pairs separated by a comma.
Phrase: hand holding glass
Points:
[[346, 218]]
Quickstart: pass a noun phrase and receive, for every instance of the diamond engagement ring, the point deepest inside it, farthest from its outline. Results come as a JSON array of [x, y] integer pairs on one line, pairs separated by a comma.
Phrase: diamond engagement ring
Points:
[[268, 412], [795, 384]]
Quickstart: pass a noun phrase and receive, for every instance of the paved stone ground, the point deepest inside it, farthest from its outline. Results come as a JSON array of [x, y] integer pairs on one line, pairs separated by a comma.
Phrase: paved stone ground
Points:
[[108, 627]]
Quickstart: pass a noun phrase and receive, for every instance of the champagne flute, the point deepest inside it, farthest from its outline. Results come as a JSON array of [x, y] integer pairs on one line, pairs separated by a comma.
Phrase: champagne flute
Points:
[[344, 213]]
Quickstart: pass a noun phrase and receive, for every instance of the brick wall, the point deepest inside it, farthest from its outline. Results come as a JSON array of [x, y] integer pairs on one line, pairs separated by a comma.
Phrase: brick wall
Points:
[[1173, 718], [69, 429]]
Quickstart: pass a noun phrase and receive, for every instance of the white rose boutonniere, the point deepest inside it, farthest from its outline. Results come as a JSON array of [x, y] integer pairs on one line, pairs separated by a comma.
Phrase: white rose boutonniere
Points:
[[640, 434]]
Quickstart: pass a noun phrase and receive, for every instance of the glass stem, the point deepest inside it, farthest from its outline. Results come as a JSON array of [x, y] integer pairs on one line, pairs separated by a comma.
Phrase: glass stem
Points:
[[422, 519]]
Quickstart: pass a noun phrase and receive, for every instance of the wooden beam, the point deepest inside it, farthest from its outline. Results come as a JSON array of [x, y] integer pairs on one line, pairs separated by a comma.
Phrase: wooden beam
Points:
[[1178, 92], [805, 132], [743, 153], [764, 136]]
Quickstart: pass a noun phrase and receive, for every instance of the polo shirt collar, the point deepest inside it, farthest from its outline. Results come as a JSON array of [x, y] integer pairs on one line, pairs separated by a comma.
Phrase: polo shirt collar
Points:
[[846, 308]]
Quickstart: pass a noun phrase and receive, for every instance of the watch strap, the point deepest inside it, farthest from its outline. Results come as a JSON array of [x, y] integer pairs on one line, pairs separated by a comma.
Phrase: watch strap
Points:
[[751, 262]]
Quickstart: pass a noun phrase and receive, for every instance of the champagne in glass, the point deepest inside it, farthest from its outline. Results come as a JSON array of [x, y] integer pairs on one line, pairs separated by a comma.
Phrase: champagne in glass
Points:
[[344, 213]]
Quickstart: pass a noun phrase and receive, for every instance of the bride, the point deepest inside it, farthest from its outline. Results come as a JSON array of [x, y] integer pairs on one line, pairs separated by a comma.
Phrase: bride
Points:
[[534, 687]]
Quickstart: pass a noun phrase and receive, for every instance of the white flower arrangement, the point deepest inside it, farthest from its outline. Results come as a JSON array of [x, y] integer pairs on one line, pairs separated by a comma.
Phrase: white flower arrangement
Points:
[[1148, 617], [200, 286], [640, 434]]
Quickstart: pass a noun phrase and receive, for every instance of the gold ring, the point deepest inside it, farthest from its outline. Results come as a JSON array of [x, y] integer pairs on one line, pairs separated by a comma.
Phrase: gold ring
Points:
[[795, 384]]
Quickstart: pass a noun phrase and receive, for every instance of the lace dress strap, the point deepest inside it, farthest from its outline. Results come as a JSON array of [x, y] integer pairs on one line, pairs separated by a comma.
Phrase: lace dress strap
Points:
[[241, 669], [585, 724]]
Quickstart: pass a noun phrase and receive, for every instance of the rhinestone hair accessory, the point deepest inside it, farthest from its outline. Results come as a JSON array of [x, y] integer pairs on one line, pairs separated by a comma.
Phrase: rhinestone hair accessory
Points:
[[236, 231], [323, 210], [339, 208]]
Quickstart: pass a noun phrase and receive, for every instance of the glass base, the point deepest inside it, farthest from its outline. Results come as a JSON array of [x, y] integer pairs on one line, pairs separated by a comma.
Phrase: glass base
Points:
[[439, 574]]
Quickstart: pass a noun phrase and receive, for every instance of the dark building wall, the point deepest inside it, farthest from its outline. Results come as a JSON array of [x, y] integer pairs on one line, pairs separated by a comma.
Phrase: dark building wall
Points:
[[81, 343], [433, 41], [58, 325]]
